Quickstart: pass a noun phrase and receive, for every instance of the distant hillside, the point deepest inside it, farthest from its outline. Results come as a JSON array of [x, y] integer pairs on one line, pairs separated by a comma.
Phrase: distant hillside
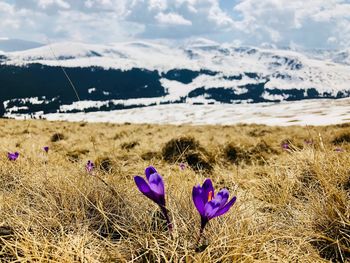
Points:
[[133, 74]]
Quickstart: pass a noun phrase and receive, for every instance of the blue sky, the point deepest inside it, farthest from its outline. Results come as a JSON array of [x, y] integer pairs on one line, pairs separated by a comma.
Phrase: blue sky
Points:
[[281, 23]]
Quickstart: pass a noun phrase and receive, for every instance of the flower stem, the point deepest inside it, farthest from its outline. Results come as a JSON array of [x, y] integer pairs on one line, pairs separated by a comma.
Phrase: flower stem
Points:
[[166, 215], [204, 221], [199, 237]]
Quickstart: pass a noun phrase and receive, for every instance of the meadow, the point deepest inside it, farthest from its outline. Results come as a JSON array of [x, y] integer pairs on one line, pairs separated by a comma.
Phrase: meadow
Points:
[[292, 186]]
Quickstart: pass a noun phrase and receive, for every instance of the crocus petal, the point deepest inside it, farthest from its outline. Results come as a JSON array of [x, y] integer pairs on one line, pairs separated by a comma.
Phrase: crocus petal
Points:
[[156, 183], [150, 170], [222, 197], [197, 198], [182, 166], [227, 207], [12, 156], [144, 188], [211, 208], [90, 166], [207, 187]]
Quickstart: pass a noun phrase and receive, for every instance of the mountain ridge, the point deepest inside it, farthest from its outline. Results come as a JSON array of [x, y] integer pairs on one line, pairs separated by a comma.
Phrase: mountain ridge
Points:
[[142, 73]]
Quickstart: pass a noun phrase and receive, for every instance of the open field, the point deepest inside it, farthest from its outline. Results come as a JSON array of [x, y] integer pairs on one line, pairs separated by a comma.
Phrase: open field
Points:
[[293, 204]]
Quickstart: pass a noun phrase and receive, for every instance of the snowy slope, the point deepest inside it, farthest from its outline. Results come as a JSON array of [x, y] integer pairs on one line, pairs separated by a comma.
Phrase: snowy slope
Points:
[[147, 73], [283, 68], [342, 56]]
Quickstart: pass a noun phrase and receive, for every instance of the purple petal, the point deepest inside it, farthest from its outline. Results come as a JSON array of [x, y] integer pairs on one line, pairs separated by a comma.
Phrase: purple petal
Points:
[[227, 207], [144, 188], [89, 166], [207, 187], [222, 197], [285, 146], [211, 208], [338, 150], [142, 185], [182, 166], [12, 156], [150, 170], [197, 197], [156, 184]]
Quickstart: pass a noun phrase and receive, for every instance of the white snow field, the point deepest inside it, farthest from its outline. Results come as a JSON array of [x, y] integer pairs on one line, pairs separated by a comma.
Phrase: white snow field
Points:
[[306, 112]]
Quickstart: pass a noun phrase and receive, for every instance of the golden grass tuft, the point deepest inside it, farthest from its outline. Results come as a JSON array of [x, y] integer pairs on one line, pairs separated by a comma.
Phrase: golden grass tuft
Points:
[[292, 205], [189, 150], [342, 138]]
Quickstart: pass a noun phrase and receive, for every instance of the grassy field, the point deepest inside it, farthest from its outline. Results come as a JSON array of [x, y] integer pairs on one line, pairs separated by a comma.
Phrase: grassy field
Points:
[[293, 204]]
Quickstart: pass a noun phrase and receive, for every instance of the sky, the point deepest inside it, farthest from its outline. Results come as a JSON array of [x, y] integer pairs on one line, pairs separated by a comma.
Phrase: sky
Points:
[[304, 24]]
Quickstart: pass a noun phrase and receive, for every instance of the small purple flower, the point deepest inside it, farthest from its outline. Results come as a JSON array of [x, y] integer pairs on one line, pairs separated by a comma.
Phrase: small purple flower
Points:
[[13, 156], [154, 189], [210, 205], [89, 166], [285, 146], [338, 150], [182, 166], [46, 148], [308, 142]]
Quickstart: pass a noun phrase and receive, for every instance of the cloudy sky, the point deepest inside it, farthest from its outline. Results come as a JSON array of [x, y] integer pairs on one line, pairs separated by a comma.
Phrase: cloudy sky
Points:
[[284, 23]]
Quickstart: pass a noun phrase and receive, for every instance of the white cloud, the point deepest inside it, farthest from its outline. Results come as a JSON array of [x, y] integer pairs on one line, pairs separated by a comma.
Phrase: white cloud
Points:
[[79, 26], [302, 23], [172, 19], [332, 40], [158, 5], [5, 7], [46, 3], [179, 18], [308, 23], [12, 19], [217, 15], [335, 11]]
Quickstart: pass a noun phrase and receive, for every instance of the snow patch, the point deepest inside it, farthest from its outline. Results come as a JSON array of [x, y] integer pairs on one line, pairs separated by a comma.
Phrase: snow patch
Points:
[[91, 90], [306, 112]]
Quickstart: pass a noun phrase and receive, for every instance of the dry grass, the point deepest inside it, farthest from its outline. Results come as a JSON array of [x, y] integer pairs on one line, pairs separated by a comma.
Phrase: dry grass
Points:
[[293, 205]]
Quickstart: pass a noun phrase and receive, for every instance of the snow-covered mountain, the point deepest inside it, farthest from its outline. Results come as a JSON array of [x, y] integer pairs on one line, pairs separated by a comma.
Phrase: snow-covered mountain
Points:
[[143, 73], [342, 56], [336, 56]]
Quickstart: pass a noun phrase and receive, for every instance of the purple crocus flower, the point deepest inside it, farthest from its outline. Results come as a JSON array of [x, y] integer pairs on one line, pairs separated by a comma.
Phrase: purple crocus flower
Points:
[[285, 146], [210, 205], [338, 150], [46, 148], [182, 166], [89, 166], [308, 142], [13, 156], [154, 189]]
